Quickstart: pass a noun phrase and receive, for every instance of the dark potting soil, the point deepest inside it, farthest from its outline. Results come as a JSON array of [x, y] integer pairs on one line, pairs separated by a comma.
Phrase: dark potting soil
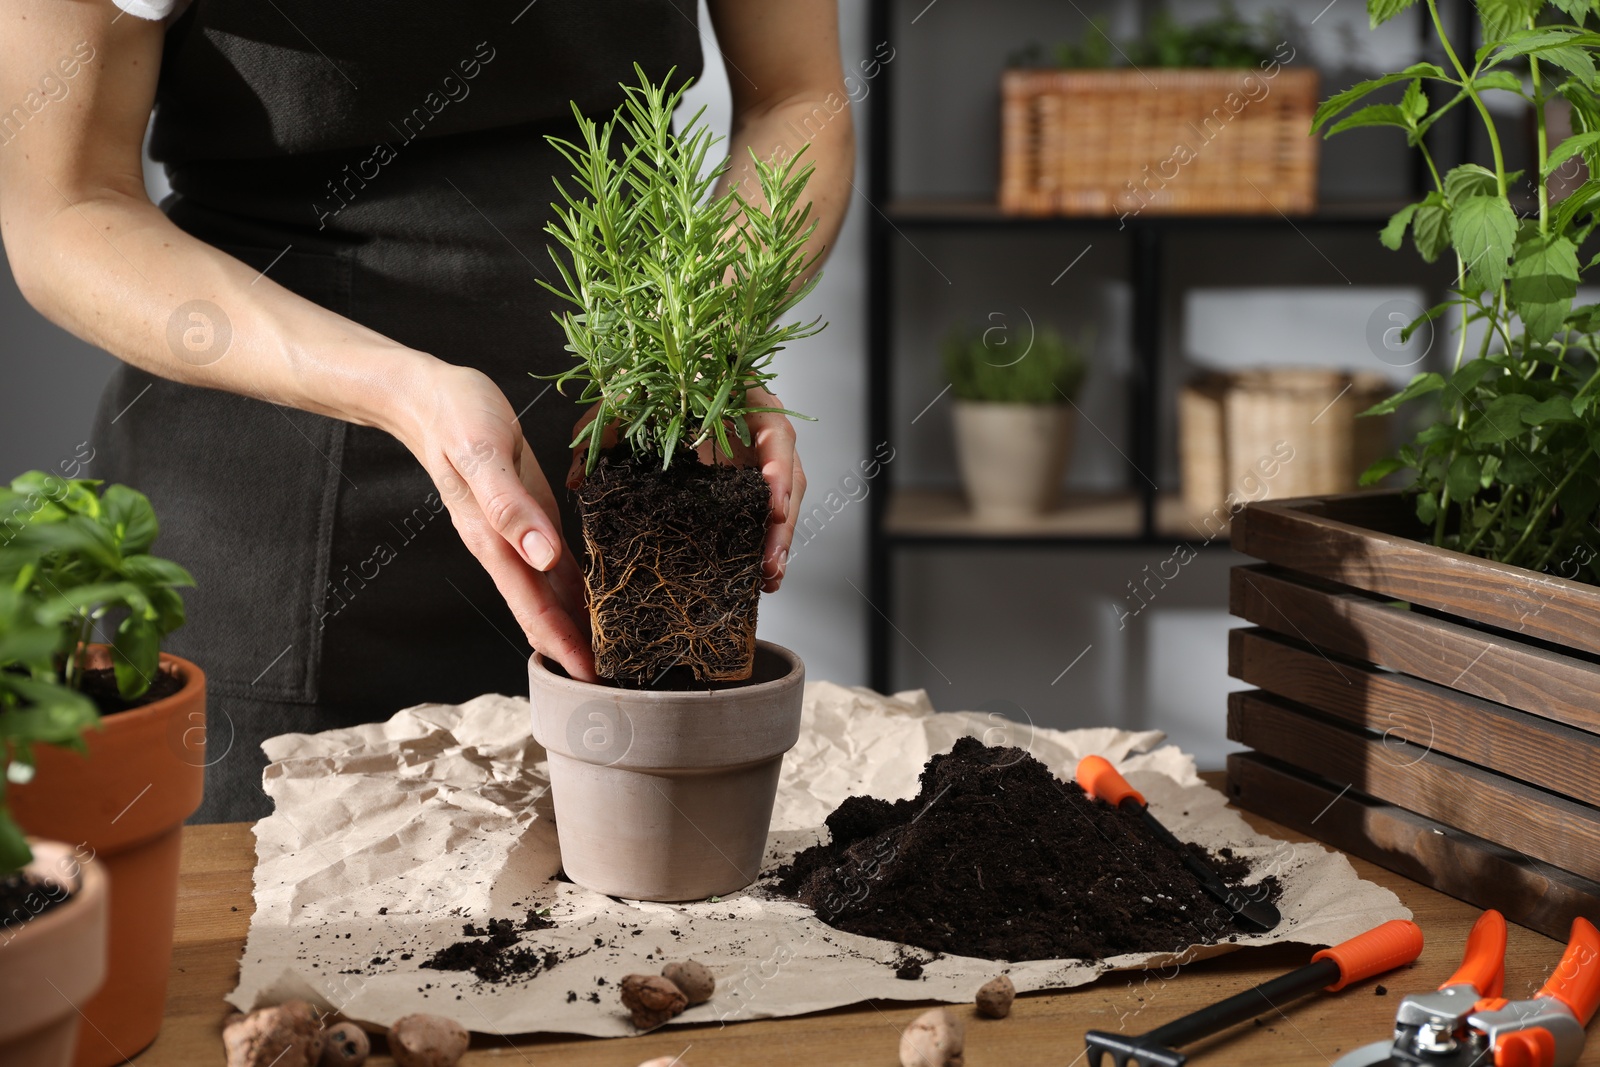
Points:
[[100, 685], [997, 858], [498, 957], [674, 566], [26, 896]]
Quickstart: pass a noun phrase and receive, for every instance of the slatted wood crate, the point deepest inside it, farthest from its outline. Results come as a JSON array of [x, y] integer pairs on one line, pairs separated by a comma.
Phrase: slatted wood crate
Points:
[[1436, 713]]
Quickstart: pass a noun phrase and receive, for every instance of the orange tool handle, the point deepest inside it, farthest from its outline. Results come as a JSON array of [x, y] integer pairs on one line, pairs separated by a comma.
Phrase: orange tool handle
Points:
[[1484, 965], [1533, 1047], [1576, 980], [1102, 782], [1382, 948]]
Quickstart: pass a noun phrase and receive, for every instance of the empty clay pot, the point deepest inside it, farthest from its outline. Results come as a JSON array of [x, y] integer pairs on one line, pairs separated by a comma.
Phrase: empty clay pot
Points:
[[126, 800], [1013, 456], [52, 961], [666, 794]]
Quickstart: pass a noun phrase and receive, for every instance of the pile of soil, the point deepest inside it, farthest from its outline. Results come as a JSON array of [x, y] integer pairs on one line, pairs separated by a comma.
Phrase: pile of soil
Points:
[[26, 896], [674, 566], [997, 858], [499, 957]]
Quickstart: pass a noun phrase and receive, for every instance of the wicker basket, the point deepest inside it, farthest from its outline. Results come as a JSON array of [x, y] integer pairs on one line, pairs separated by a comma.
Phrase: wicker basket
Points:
[[1123, 142], [1276, 433]]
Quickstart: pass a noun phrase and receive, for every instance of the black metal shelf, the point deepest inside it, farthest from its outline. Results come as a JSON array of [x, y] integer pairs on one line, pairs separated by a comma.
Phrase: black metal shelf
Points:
[[941, 213], [888, 219]]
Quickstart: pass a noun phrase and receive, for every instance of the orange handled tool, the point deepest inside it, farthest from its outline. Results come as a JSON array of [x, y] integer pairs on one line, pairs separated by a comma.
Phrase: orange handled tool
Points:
[[1101, 781], [1467, 1021], [1383, 948], [1576, 979]]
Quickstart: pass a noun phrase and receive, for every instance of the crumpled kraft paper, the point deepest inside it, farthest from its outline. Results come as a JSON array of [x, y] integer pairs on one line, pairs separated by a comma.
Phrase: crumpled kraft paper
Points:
[[387, 837]]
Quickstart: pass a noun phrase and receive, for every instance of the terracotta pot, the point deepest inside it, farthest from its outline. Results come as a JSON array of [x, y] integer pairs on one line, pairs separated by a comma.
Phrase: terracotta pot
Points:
[[666, 795], [1013, 456], [126, 799], [52, 963]]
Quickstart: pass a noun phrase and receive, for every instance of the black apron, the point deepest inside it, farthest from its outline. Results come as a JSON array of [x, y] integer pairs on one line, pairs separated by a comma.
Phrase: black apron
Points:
[[398, 152]]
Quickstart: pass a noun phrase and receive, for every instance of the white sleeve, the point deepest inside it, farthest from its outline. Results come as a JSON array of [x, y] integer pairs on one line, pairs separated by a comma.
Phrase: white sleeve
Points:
[[154, 10]]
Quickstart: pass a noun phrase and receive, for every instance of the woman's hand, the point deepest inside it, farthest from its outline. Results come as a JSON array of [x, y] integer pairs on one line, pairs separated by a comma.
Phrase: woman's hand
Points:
[[466, 436], [772, 449]]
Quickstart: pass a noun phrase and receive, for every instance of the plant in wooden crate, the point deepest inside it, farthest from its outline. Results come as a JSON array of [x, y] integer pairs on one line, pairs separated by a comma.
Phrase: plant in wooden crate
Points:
[[678, 297], [1424, 706], [76, 558], [52, 900], [1510, 469], [1014, 416]]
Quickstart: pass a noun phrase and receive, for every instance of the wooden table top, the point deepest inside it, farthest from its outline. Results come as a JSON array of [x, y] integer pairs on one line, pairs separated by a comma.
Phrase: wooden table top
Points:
[[1044, 1028]]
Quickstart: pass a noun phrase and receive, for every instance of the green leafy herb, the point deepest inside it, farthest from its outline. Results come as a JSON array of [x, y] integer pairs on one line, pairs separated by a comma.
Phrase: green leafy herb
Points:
[[678, 291], [1510, 470], [69, 557]]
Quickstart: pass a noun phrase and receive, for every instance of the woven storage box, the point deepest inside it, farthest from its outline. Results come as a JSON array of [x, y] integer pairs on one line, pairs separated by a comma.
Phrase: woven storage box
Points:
[[1116, 142], [1235, 427]]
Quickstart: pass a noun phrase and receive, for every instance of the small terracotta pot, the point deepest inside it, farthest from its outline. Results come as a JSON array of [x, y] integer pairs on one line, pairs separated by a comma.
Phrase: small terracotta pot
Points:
[[126, 799], [1013, 456], [666, 795], [52, 963]]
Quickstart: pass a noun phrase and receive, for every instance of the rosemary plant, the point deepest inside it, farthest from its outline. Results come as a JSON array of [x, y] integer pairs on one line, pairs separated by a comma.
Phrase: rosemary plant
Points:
[[1510, 468], [677, 290]]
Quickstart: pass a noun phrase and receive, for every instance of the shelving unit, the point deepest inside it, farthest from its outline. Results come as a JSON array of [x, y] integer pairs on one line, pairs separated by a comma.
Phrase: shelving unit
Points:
[[908, 519]]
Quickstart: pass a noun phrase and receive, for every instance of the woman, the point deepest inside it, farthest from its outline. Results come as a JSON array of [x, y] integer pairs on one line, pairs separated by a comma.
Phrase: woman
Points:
[[329, 329]]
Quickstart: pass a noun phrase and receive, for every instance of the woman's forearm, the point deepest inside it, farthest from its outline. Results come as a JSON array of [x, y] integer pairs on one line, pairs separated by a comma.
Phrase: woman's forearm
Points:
[[95, 256], [819, 125], [789, 96], [113, 270]]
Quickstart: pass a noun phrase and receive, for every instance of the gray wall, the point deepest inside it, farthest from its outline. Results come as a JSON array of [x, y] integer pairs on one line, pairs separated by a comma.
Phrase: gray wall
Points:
[[997, 627]]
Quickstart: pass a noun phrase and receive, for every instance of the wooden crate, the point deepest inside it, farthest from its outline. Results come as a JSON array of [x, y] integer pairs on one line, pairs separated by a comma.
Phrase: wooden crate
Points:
[[1406, 686], [1125, 142]]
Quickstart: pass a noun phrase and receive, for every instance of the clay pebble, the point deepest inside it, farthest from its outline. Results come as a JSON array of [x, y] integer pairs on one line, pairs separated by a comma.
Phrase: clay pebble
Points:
[[934, 1039], [651, 1000], [693, 977], [286, 1035], [427, 1041], [345, 1045], [994, 999]]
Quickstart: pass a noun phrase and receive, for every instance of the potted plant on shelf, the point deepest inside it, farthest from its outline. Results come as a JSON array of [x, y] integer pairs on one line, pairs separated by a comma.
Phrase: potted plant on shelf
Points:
[[78, 557], [52, 896], [663, 785], [1483, 680], [1014, 419]]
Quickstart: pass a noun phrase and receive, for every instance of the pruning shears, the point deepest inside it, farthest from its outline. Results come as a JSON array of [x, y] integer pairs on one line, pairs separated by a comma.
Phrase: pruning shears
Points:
[[1468, 1023]]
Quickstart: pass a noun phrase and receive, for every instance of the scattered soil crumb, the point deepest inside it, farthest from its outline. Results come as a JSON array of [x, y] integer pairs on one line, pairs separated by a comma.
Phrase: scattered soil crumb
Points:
[[497, 958]]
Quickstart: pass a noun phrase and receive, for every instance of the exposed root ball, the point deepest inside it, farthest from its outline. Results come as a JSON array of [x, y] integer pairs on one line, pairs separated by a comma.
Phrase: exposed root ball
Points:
[[674, 570], [651, 1000], [934, 1039], [693, 977], [994, 999]]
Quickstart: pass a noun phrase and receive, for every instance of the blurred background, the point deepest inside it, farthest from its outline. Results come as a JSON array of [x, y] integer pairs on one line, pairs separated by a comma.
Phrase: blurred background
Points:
[[1201, 332]]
